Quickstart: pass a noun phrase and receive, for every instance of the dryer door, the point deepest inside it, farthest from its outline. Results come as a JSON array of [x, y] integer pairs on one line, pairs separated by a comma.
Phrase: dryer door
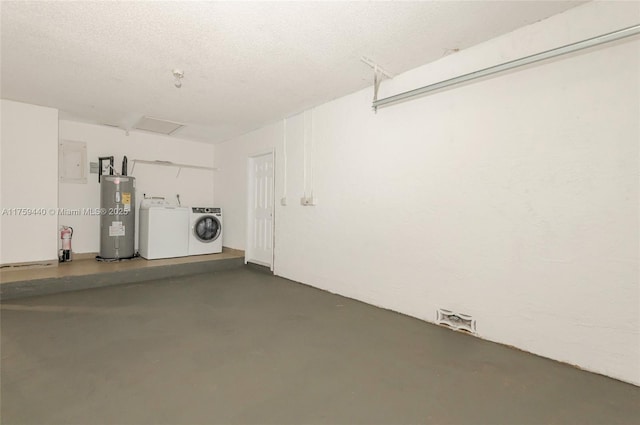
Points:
[[207, 228]]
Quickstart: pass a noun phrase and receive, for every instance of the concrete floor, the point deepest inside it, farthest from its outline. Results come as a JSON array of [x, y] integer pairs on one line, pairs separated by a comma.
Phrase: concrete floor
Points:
[[240, 346]]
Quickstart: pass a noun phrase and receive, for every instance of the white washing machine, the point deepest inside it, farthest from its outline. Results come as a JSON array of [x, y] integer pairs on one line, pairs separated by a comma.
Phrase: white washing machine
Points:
[[205, 231], [164, 230]]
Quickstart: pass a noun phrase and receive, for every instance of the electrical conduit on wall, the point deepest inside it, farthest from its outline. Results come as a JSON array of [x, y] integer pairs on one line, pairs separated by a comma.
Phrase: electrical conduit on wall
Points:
[[308, 159], [283, 201]]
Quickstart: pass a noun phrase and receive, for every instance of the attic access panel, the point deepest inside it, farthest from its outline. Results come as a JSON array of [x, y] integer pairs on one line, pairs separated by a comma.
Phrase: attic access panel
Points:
[[157, 126]]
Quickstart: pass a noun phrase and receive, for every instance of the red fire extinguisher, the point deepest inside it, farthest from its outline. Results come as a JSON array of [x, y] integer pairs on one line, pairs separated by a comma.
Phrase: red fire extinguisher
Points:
[[66, 232]]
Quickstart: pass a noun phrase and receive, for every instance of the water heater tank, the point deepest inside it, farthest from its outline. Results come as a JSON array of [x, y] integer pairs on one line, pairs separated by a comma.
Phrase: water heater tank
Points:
[[118, 217]]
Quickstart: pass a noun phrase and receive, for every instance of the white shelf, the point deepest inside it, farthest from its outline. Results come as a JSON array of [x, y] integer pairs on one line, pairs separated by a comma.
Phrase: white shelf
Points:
[[169, 164]]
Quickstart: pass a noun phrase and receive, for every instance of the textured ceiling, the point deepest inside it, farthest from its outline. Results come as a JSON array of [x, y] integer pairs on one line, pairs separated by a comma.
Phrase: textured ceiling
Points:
[[246, 64]]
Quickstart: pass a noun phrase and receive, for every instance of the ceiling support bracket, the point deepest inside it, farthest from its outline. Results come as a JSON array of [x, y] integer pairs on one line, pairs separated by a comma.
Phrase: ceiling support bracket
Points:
[[379, 74]]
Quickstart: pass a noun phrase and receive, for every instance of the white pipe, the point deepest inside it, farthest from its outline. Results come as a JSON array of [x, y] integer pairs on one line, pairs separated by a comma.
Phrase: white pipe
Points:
[[284, 158], [311, 154], [569, 48], [304, 153]]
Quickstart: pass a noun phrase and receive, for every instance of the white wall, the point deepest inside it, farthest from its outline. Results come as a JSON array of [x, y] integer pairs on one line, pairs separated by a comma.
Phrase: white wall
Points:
[[29, 179], [194, 186], [513, 199]]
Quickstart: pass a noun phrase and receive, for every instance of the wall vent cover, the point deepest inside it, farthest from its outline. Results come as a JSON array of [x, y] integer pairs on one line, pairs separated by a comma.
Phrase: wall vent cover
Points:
[[155, 125], [457, 321]]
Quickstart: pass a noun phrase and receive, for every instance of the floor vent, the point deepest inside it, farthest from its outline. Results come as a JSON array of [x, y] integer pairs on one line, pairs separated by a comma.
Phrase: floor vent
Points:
[[457, 321]]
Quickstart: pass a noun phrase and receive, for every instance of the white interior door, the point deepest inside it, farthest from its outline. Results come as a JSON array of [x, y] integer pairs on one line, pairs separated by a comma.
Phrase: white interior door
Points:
[[260, 216]]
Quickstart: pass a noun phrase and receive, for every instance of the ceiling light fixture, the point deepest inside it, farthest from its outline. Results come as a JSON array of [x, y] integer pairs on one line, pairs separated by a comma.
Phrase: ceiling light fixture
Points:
[[178, 75]]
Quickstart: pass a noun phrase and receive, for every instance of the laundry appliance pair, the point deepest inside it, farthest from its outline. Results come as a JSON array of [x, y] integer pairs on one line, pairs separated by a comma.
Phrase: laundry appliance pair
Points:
[[168, 230]]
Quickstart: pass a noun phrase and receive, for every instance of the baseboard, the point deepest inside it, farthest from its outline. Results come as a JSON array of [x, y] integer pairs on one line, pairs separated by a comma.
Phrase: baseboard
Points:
[[47, 263], [30, 265], [83, 255]]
